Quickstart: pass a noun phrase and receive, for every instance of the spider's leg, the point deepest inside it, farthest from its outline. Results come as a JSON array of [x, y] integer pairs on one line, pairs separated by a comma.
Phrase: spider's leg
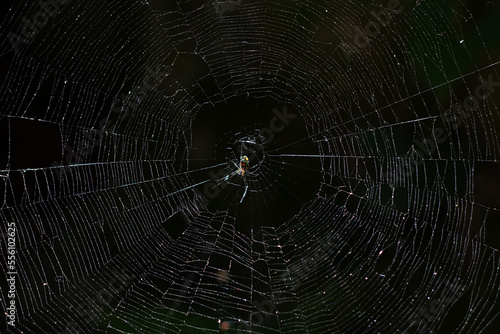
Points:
[[227, 177], [230, 175], [246, 188], [251, 167]]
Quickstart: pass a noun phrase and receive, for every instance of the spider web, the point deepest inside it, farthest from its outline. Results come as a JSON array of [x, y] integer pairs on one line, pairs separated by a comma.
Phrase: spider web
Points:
[[371, 203]]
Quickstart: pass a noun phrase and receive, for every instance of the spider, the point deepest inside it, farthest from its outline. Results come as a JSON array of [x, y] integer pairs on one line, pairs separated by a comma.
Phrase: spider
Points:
[[244, 164], [241, 170]]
